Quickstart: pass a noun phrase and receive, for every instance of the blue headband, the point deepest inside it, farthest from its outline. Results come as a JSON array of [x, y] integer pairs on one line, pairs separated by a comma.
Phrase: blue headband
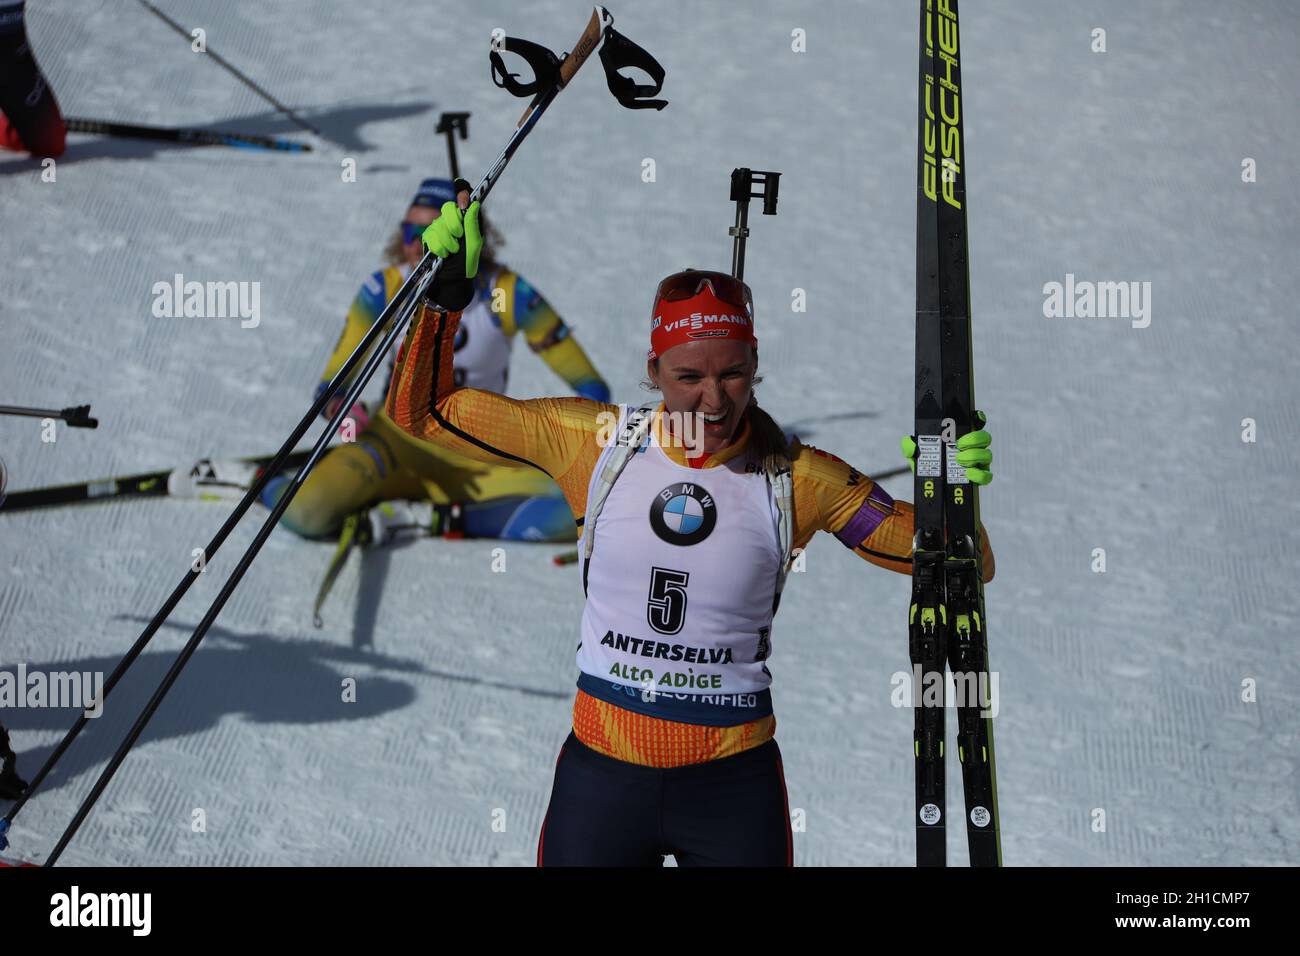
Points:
[[435, 192]]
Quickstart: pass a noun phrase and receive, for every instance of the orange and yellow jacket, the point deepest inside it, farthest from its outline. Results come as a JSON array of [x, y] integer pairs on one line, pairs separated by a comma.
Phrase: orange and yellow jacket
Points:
[[560, 437]]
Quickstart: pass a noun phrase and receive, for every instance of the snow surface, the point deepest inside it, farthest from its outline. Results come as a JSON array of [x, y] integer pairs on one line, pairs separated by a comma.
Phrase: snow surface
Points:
[[1120, 691]]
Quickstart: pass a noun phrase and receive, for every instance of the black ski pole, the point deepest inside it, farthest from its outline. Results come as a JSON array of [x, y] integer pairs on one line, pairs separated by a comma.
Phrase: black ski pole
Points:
[[75, 416], [273, 467], [353, 394], [233, 70], [277, 463], [424, 273]]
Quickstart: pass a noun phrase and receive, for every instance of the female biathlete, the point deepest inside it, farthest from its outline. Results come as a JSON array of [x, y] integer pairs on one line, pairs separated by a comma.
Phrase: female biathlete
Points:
[[495, 499], [685, 542]]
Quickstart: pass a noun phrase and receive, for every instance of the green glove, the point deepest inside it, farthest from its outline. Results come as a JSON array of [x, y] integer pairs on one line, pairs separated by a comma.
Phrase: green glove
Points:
[[972, 452], [443, 236]]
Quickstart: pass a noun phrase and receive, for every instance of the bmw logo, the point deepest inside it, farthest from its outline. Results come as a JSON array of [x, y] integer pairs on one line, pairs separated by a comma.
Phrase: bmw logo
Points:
[[683, 513]]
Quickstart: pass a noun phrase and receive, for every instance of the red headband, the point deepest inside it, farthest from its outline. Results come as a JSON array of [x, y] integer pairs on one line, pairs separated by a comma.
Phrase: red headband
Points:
[[702, 316]]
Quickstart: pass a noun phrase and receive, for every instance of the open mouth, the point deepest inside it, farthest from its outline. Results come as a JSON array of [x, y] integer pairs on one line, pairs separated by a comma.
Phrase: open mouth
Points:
[[714, 422]]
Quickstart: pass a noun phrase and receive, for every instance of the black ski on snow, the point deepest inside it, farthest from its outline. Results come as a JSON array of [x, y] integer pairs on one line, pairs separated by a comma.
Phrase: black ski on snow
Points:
[[947, 622], [152, 484], [185, 135], [963, 583], [927, 619]]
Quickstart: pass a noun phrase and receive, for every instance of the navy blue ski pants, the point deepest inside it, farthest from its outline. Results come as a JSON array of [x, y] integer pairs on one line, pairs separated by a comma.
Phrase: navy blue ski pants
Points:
[[608, 812]]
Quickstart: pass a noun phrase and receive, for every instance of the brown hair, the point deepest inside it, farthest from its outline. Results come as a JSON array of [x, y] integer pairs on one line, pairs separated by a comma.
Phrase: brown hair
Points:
[[766, 440], [395, 251]]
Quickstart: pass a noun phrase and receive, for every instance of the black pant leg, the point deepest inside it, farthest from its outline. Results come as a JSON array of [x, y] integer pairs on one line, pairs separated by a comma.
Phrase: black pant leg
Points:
[[730, 812], [603, 812]]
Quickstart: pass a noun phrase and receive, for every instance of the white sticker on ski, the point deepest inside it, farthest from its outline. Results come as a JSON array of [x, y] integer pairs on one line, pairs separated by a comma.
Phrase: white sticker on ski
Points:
[[212, 478], [956, 473], [929, 460]]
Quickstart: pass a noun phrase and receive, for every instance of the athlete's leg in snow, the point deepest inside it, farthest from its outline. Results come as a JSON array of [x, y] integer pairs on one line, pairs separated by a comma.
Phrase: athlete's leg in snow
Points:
[[729, 812], [513, 502], [603, 812], [384, 463], [515, 518], [348, 477], [31, 119]]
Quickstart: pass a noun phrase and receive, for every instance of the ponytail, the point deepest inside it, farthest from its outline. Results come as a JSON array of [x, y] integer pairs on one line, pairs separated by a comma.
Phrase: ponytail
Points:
[[767, 440]]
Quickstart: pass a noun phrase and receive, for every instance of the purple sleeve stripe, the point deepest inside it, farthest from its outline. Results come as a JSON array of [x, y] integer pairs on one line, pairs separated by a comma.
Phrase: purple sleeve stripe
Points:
[[867, 519]]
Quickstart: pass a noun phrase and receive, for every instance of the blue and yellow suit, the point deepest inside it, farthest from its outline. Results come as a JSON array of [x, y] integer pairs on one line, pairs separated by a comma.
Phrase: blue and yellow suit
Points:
[[498, 499]]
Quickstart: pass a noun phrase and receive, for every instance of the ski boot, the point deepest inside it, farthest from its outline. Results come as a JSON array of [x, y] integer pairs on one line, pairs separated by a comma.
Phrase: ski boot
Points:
[[392, 521], [12, 786], [449, 520]]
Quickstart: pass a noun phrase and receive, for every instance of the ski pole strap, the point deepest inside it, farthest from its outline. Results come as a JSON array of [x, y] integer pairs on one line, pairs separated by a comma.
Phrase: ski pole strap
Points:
[[545, 66], [783, 491], [617, 53]]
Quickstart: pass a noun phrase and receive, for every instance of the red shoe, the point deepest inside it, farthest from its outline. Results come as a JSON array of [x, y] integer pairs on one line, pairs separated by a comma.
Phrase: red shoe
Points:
[[50, 136], [50, 140], [455, 526], [449, 520], [9, 138]]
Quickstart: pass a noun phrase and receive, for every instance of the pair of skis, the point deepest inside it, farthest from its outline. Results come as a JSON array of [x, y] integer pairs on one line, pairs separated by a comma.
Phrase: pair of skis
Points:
[[946, 621]]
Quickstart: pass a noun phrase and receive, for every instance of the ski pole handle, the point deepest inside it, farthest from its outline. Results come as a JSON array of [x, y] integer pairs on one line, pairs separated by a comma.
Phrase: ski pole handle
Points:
[[591, 36], [78, 416], [464, 193]]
